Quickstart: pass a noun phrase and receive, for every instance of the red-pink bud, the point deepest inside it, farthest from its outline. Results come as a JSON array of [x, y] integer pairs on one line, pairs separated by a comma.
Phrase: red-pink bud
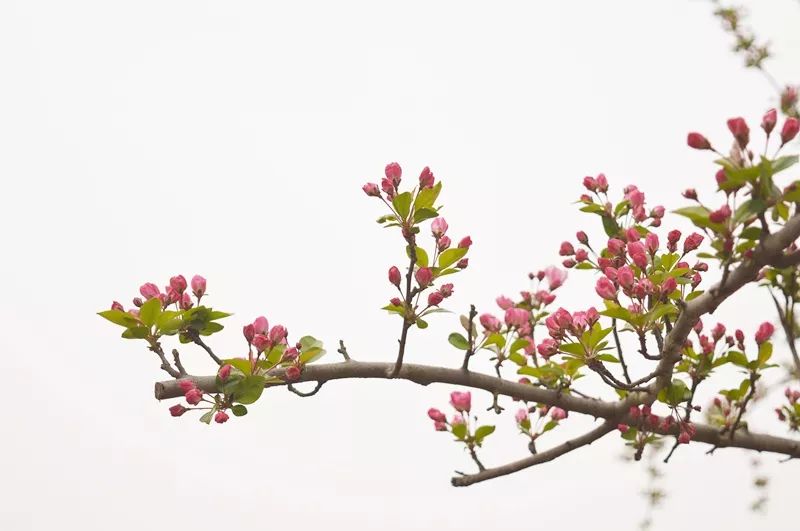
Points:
[[426, 179], [517, 317], [436, 415], [590, 183], [424, 276], [616, 247], [393, 172], [764, 333], [625, 277], [769, 121], [186, 301], [443, 243], [623, 427], [692, 242], [684, 438], [690, 193], [720, 215], [186, 385], [178, 283], [277, 334], [490, 322], [149, 290], [558, 414], [697, 141], [439, 227], [290, 354], [605, 288], [634, 412], [446, 290], [388, 187], [177, 410], [582, 237], [225, 371], [462, 402], [632, 235], [566, 249], [372, 190], [790, 128], [504, 302], [555, 277], [198, 286], [602, 183], [117, 306], [221, 417], [261, 342], [435, 298], [440, 426], [394, 276], [581, 255], [194, 396], [249, 333], [669, 285], [651, 243], [137, 301], [463, 263], [465, 242], [292, 373], [395, 301], [260, 325], [740, 131], [658, 212]]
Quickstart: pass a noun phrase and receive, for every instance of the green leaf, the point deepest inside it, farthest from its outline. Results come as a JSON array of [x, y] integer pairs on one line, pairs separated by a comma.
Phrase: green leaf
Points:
[[495, 339], [748, 209], [737, 358], [607, 358], [751, 233], [458, 341], [239, 363], [137, 332], [211, 328], [675, 393], [169, 321], [697, 214], [460, 431], [423, 214], [611, 226], [549, 426], [422, 324], [518, 358], [119, 317], [215, 314], [402, 204], [399, 310], [427, 196], [451, 256], [422, 256], [150, 311], [482, 432], [693, 295], [239, 410], [782, 163], [207, 416], [249, 389], [575, 349], [764, 353]]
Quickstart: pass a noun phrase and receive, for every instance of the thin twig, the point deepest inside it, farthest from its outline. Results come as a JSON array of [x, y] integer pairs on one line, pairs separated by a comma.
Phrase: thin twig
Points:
[[470, 337], [195, 337], [407, 319], [292, 388], [177, 357], [619, 351], [343, 351]]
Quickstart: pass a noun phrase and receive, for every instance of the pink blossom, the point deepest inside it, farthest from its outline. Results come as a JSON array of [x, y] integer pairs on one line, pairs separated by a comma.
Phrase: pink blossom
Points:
[[277, 334], [149, 290], [697, 141], [557, 414], [764, 333], [186, 301], [225, 371], [394, 275], [547, 347], [290, 354], [198, 286], [436, 415], [790, 130], [424, 276], [521, 415], [465, 243], [625, 277], [605, 288], [443, 243], [555, 277], [456, 420], [393, 172], [194, 396], [651, 242], [490, 322], [461, 401], [446, 290], [740, 131], [178, 283], [504, 302], [769, 121], [372, 190], [388, 187], [516, 317], [616, 247], [669, 285], [602, 183], [439, 227], [177, 410], [426, 179], [261, 342], [221, 417], [248, 332]]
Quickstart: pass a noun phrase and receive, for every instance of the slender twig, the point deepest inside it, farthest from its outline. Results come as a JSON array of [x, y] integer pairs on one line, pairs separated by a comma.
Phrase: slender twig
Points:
[[688, 418], [750, 393], [177, 357], [296, 391], [195, 337], [343, 351], [788, 330], [408, 314], [470, 337], [155, 346], [619, 351], [475, 458]]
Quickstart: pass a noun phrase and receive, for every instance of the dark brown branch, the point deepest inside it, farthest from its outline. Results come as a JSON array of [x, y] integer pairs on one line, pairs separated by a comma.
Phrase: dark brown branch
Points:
[[538, 458], [165, 366], [408, 322], [177, 357], [470, 338], [619, 351]]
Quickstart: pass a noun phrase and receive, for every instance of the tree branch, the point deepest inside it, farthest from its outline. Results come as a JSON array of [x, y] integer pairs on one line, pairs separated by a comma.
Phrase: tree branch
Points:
[[541, 457]]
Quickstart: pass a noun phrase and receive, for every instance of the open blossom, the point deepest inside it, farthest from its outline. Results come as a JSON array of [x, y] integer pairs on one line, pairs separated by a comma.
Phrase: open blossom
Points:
[[439, 227], [517, 317], [461, 401], [555, 277], [764, 332], [490, 322], [605, 288]]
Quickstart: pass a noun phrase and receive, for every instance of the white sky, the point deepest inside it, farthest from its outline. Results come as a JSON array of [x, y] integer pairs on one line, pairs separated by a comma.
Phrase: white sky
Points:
[[139, 140]]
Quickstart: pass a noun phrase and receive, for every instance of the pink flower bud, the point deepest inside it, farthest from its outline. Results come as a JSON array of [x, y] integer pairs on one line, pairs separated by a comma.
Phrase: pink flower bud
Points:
[[657, 212], [569, 263], [582, 237], [555, 277], [692, 242], [690, 193], [426, 179], [465, 243], [590, 183], [634, 412], [557, 414], [516, 317], [137, 301], [463, 263], [566, 249], [669, 285], [260, 325], [149, 290], [790, 128], [684, 438], [277, 334], [117, 306], [547, 347], [625, 277], [249, 333], [290, 354], [651, 243], [435, 298], [740, 131], [225, 371], [221, 417], [769, 121], [388, 187], [602, 183], [177, 410], [186, 385], [194, 396], [186, 301], [616, 247], [521, 415], [718, 331], [443, 243], [394, 276], [490, 322], [261, 342], [462, 402], [764, 333], [178, 283], [720, 215], [581, 255], [605, 288], [632, 235], [456, 420], [198, 286], [393, 172], [395, 301], [439, 227], [623, 428], [424, 276], [640, 259], [446, 290], [436, 415], [372, 190], [292, 373], [697, 141], [440, 426]]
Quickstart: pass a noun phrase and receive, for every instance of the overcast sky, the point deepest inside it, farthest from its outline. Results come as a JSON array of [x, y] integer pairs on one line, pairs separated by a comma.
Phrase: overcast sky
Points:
[[143, 139]]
